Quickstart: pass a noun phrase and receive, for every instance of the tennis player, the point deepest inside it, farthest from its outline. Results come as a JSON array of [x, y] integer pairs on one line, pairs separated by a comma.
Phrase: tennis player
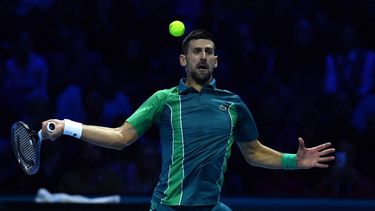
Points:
[[198, 125]]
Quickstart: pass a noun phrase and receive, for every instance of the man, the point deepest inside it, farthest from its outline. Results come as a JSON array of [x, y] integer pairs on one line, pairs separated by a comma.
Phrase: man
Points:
[[198, 124]]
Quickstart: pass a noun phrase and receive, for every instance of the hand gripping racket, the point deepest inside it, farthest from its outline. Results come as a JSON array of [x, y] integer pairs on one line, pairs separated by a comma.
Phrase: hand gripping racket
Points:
[[26, 145]]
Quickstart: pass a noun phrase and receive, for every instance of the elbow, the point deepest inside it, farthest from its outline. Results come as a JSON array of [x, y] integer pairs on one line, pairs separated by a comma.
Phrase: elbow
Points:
[[123, 143], [126, 136], [123, 139], [251, 161], [119, 147], [253, 157], [250, 152]]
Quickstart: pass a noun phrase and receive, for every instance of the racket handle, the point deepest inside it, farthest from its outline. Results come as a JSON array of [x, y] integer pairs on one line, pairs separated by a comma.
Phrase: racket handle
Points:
[[50, 126], [40, 134]]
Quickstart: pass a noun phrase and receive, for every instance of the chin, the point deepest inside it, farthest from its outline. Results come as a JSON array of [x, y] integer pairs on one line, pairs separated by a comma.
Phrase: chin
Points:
[[202, 81]]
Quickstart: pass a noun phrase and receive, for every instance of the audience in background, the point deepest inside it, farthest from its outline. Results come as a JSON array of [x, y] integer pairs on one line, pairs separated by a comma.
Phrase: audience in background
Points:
[[304, 69]]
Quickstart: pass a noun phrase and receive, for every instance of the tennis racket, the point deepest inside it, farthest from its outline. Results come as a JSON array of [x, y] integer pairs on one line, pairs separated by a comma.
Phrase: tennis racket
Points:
[[26, 145]]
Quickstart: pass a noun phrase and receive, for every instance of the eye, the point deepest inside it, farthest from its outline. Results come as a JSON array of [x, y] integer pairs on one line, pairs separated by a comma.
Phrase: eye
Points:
[[196, 51], [210, 51]]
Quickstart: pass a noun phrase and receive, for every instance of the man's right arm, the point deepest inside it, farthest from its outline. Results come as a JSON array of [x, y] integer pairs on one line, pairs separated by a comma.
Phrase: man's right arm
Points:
[[113, 138]]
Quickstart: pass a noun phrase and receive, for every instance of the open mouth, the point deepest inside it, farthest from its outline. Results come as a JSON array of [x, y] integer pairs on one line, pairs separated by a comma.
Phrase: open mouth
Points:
[[202, 67]]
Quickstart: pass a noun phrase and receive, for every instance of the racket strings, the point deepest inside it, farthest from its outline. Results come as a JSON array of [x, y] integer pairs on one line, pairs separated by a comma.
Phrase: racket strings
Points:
[[26, 148]]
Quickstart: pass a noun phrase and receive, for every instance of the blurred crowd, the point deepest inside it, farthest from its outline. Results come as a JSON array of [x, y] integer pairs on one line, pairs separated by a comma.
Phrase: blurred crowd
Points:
[[304, 68]]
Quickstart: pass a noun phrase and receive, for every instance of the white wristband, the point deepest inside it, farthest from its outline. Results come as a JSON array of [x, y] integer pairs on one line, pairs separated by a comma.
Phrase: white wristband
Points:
[[72, 128]]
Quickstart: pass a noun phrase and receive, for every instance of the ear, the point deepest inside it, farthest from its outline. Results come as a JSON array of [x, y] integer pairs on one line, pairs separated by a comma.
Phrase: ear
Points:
[[183, 60], [215, 64]]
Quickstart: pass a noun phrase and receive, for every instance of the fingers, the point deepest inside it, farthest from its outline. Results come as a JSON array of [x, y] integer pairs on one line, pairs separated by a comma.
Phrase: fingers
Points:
[[327, 151], [316, 156], [301, 143], [323, 146], [319, 147], [48, 132], [320, 165], [326, 159]]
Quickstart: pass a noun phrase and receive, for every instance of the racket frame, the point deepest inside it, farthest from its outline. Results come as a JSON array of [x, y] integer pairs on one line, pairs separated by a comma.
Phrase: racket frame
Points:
[[30, 167]]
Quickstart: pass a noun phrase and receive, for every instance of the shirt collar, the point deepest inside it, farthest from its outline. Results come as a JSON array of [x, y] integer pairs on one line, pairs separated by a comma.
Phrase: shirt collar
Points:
[[183, 88]]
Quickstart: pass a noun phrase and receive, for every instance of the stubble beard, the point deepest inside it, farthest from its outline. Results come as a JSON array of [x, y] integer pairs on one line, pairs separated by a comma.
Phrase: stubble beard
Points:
[[201, 78]]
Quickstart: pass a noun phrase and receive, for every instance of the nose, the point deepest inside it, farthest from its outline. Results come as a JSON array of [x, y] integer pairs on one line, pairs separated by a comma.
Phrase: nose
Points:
[[203, 56]]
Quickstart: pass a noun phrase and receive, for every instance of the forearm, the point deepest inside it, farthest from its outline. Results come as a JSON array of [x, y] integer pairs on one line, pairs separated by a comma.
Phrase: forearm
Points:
[[257, 154], [114, 138], [105, 137], [263, 156], [269, 158]]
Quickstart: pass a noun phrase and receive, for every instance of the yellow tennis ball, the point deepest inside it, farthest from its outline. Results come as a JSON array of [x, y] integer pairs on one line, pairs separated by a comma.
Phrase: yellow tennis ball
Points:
[[176, 28]]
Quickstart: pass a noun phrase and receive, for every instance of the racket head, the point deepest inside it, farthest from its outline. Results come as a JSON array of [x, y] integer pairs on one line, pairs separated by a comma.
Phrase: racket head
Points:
[[26, 146]]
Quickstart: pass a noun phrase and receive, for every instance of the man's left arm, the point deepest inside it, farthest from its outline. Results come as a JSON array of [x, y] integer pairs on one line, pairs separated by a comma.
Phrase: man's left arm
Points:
[[257, 154]]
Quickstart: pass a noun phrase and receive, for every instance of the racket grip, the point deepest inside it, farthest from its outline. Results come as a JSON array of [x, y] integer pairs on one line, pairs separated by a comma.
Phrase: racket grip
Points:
[[50, 126], [40, 134]]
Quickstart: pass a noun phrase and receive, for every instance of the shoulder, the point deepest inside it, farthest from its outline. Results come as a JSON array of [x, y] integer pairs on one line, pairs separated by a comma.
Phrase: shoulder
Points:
[[164, 94], [168, 91], [229, 94]]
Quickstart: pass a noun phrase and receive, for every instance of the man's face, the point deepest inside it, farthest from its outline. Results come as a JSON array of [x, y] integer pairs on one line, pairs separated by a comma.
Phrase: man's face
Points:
[[199, 61]]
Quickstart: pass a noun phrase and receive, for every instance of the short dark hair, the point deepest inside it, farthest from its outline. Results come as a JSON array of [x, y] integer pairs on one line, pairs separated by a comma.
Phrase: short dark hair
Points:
[[194, 35]]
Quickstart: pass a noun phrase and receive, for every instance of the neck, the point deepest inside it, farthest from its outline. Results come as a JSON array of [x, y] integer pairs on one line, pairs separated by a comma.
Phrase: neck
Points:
[[192, 83]]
